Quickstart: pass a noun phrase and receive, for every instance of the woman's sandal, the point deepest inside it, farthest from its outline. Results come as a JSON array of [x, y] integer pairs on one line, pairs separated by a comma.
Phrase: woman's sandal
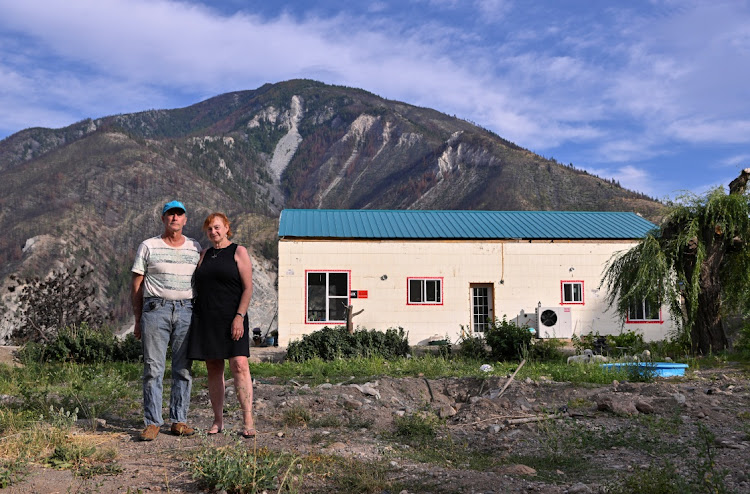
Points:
[[218, 431], [248, 433]]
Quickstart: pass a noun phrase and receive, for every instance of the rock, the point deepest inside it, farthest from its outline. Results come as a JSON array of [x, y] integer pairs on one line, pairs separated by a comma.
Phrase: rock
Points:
[[644, 407], [337, 446], [367, 389], [325, 386], [446, 411], [279, 434], [517, 469], [579, 488], [352, 404], [620, 404], [91, 424], [679, 398]]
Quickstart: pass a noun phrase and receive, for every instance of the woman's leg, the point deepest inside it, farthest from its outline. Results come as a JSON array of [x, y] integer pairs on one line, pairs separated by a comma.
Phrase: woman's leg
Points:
[[243, 384], [215, 370]]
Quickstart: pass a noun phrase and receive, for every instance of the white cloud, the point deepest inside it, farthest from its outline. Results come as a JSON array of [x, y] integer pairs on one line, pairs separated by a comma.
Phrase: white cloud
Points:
[[631, 177], [606, 84], [721, 131]]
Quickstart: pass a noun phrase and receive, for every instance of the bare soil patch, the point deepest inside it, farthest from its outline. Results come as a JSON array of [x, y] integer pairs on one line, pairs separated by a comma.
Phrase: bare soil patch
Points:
[[604, 431]]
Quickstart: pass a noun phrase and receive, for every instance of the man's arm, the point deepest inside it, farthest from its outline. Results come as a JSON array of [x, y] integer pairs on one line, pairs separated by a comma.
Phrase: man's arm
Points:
[[136, 298]]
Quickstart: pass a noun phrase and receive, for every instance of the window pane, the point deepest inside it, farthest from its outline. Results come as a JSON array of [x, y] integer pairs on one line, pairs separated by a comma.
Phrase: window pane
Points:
[[316, 297], [415, 291], [338, 310], [639, 310], [577, 295], [567, 295], [432, 291], [652, 311], [338, 284]]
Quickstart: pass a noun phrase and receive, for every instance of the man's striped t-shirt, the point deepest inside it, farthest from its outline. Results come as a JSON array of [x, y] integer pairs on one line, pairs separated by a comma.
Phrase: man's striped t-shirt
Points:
[[167, 271]]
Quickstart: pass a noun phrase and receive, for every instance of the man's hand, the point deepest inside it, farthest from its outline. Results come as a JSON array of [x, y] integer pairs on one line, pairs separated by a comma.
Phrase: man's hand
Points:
[[137, 330]]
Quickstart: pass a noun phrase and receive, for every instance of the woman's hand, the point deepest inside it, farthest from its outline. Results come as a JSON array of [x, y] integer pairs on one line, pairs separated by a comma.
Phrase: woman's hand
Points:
[[238, 327]]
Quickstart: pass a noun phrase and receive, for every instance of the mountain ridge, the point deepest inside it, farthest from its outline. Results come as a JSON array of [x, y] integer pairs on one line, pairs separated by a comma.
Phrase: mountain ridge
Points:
[[91, 191]]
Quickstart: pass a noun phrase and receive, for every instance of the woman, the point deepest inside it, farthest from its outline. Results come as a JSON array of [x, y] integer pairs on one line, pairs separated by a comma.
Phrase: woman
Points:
[[223, 285]]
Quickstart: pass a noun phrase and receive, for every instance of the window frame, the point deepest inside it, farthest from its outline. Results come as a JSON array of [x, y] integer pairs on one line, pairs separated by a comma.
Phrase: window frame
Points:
[[562, 292], [424, 280], [643, 302], [327, 272]]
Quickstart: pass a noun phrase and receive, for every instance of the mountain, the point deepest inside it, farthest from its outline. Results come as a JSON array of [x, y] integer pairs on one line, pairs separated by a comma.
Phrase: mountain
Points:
[[89, 193]]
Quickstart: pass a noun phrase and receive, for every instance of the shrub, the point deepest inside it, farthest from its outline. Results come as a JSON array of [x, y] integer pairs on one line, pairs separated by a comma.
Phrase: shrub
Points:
[[631, 341], [237, 468], [419, 427], [332, 343], [546, 350], [46, 306], [473, 345], [507, 341], [627, 342], [84, 345]]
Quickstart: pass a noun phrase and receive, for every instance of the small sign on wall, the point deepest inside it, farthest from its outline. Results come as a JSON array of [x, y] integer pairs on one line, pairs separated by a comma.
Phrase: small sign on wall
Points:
[[358, 294]]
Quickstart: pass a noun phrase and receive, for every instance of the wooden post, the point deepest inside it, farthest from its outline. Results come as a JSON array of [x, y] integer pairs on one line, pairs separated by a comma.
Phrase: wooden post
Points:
[[349, 316]]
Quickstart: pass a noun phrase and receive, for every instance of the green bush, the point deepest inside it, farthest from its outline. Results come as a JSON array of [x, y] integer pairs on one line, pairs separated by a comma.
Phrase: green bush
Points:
[[237, 468], [84, 345], [626, 343], [507, 341], [546, 350], [472, 345], [332, 343]]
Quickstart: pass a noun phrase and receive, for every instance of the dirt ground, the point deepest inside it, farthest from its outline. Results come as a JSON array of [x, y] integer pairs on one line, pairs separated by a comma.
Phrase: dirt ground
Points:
[[617, 429]]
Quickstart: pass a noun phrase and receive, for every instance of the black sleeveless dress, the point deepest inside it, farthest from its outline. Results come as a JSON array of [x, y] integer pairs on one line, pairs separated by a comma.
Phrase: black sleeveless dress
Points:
[[218, 289]]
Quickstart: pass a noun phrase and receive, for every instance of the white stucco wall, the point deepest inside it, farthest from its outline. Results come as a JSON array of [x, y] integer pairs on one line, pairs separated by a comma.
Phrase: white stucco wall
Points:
[[522, 274]]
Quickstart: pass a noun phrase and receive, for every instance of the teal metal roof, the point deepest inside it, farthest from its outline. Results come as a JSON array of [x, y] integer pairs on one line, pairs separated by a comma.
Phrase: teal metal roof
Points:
[[410, 224]]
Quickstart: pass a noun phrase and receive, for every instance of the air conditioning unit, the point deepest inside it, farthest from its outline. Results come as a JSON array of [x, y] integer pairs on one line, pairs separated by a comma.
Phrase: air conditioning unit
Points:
[[554, 322]]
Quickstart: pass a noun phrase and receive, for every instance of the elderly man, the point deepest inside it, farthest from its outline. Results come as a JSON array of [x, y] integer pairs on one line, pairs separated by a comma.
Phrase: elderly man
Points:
[[162, 296]]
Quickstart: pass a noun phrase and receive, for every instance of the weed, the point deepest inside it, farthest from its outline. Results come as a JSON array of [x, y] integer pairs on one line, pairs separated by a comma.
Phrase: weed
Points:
[[70, 455], [417, 428], [11, 472], [653, 480], [706, 475], [325, 421], [296, 416], [358, 422], [355, 477], [579, 403], [89, 471], [237, 468], [643, 372]]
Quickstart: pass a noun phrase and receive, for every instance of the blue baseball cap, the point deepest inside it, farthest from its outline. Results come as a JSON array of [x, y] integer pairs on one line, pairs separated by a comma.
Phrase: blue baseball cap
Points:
[[173, 205]]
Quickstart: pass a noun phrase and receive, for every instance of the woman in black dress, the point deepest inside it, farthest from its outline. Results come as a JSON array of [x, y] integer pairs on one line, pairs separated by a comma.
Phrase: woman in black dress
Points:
[[219, 330]]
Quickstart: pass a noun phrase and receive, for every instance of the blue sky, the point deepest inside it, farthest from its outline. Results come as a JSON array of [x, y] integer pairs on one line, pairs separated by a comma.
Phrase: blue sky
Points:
[[655, 94]]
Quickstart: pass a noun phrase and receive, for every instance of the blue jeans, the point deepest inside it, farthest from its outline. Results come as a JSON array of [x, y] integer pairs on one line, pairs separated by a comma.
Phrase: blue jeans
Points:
[[165, 322]]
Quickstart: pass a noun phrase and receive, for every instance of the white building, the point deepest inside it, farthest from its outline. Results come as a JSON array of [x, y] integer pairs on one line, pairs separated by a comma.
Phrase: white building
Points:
[[436, 272]]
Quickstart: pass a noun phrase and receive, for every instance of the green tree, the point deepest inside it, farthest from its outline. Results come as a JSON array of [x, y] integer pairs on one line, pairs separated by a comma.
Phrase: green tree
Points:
[[697, 262]]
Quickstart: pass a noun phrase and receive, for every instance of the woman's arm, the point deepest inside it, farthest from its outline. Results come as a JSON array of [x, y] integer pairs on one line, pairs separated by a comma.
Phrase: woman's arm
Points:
[[245, 266]]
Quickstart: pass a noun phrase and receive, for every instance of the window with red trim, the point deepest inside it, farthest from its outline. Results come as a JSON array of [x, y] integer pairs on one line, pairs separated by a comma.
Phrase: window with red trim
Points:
[[425, 291], [644, 310], [571, 292], [327, 296]]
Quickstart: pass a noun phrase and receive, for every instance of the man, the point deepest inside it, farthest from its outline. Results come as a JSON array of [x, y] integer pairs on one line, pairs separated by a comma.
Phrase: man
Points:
[[162, 293]]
